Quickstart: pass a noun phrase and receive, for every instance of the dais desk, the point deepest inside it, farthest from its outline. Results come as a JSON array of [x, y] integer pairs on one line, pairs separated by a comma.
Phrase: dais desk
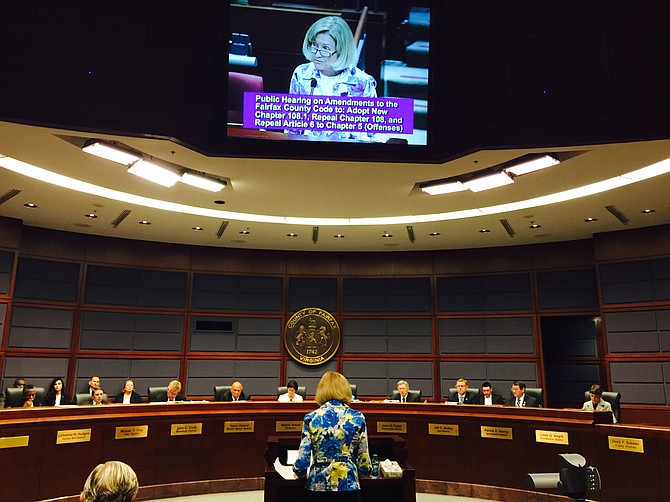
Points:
[[167, 444]]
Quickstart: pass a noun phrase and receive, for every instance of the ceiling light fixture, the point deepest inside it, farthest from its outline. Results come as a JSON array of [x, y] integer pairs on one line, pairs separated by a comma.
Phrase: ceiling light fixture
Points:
[[490, 181], [112, 152], [439, 188], [153, 172], [530, 163], [202, 180]]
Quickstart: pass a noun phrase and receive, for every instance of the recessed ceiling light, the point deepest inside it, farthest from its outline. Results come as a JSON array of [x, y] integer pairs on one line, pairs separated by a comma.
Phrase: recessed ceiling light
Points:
[[648, 211], [534, 225], [30, 205], [245, 232], [291, 235], [590, 220], [434, 234], [91, 215], [484, 231], [144, 222], [386, 235], [338, 236], [197, 228]]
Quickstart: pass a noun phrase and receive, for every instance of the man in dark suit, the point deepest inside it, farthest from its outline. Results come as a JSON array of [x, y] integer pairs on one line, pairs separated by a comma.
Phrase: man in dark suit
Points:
[[172, 394], [235, 393], [404, 395], [519, 397], [487, 396], [461, 396]]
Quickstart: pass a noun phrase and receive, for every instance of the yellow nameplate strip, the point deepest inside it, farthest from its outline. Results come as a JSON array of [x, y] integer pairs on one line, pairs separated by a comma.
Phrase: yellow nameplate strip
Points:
[[14, 441], [496, 432], [443, 429], [73, 436], [634, 445], [392, 427], [281, 426], [551, 437], [185, 429], [247, 426], [132, 432]]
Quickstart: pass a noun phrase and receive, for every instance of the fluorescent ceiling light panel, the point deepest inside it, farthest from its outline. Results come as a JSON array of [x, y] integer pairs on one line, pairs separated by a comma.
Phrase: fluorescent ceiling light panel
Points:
[[441, 188], [113, 153], [154, 172], [203, 182], [487, 182], [532, 165]]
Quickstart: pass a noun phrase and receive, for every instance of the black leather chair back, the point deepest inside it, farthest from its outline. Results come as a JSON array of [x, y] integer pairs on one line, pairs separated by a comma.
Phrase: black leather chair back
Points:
[[13, 397], [354, 389], [154, 392], [219, 391], [83, 398], [537, 393]]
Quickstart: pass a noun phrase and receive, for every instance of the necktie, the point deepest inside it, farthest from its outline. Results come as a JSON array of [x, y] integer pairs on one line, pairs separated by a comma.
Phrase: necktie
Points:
[[460, 399], [518, 402], [402, 399]]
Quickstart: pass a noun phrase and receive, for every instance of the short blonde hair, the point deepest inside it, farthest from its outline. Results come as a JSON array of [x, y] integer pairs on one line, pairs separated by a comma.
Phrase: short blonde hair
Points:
[[462, 380], [112, 481], [336, 27], [174, 385], [333, 385], [402, 382]]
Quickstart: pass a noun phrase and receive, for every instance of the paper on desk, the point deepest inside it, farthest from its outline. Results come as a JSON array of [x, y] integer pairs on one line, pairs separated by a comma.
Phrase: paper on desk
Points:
[[285, 471]]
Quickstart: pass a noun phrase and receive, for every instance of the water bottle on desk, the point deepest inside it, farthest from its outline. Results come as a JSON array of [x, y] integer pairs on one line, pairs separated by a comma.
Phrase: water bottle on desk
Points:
[[374, 470]]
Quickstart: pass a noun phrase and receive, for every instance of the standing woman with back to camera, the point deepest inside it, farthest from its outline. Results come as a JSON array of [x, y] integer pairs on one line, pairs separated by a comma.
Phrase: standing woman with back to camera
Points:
[[335, 441]]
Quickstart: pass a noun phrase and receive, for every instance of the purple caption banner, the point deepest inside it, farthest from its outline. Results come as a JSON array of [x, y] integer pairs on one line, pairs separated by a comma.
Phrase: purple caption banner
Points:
[[328, 113]]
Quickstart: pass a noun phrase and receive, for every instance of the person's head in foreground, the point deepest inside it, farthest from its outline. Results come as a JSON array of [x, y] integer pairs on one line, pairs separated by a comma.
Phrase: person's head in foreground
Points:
[[98, 395], [333, 386], [236, 390], [112, 481], [329, 44]]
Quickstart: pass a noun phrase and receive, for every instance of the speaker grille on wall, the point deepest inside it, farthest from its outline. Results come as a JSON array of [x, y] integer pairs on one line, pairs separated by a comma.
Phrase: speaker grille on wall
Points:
[[561, 64]]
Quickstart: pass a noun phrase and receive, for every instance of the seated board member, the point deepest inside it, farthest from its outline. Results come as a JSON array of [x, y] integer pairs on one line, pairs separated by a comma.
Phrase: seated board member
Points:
[[291, 394], [235, 393], [519, 398], [98, 397], [404, 395], [128, 394], [462, 395], [597, 403], [30, 398], [171, 395], [487, 397], [56, 395]]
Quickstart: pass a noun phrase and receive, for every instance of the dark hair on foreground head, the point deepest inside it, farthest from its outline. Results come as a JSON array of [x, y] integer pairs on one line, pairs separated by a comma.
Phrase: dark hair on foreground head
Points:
[[112, 481], [333, 385], [292, 384], [596, 389]]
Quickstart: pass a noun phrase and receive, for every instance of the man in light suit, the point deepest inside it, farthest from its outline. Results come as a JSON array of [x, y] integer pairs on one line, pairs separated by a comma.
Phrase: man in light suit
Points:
[[519, 397], [487, 396], [461, 396]]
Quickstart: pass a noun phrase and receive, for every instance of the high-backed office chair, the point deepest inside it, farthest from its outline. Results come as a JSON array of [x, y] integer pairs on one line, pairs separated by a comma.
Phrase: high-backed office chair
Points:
[[614, 398], [537, 393], [238, 84], [416, 395], [154, 392], [302, 391], [354, 388], [13, 397], [219, 391], [83, 398]]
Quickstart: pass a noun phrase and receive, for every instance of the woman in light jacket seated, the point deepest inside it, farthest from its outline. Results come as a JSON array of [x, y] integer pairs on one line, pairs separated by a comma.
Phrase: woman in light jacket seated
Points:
[[290, 395], [597, 403]]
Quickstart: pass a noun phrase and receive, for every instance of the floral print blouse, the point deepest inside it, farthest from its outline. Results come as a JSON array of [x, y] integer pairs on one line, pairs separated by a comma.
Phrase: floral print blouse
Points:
[[335, 441]]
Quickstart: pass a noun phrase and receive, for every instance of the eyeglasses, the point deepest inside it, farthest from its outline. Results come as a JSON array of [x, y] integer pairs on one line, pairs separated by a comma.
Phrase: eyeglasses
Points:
[[313, 48]]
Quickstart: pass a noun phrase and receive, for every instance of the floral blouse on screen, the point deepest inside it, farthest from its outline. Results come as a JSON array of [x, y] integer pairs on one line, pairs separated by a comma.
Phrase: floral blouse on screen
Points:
[[335, 441]]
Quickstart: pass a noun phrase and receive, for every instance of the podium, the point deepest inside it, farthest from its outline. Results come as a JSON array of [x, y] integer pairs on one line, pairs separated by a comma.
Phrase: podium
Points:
[[388, 489]]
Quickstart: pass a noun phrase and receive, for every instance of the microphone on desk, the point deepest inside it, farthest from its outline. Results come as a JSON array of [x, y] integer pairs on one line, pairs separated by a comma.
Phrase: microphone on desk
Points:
[[313, 83]]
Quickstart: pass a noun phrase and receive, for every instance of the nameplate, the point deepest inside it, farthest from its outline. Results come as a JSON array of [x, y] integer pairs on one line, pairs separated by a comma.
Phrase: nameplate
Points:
[[73, 436], [626, 444], [392, 427], [132, 432], [185, 429], [14, 441], [246, 426], [443, 429], [496, 432], [281, 426], [551, 437]]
